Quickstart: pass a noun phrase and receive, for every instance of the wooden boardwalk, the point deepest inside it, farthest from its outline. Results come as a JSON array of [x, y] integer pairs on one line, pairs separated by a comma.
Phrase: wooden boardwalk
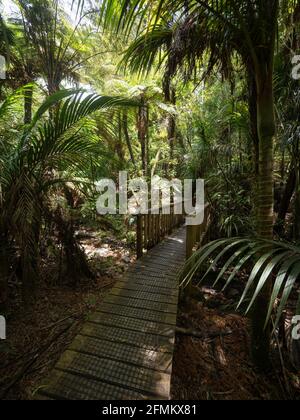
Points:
[[125, 350]]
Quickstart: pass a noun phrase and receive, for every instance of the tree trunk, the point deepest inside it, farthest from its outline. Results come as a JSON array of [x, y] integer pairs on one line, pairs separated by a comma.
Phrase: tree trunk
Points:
[[4, 273], [30, 261], [265, 215], [28, 99], [171, 127], [252, 103], [119, 143], [127, 138], [286, 201], [171, 135], [77, 267], [143, 124]]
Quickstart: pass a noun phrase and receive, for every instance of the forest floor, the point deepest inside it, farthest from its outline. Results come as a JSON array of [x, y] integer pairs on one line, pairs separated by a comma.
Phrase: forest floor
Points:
[[39, 335], [218, 366], [215, 367]]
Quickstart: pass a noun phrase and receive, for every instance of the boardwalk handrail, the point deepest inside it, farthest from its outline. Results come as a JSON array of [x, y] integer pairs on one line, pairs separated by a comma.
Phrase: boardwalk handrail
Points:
[[153, 227], [195, 234]]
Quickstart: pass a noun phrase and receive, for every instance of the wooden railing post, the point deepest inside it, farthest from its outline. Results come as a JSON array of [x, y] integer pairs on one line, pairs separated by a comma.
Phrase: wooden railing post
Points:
[[153, 227], [139, 237], [190, 240], [194, 234]]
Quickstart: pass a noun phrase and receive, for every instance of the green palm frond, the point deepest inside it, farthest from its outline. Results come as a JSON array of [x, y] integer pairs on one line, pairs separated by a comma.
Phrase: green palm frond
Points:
[[152, 46], [267, 259], [10, 101], [56, 142]]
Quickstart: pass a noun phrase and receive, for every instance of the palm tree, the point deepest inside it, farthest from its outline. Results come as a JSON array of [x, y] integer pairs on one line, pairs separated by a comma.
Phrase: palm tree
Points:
[[24, 68], [57, 52], [223, 29], [35, 166]]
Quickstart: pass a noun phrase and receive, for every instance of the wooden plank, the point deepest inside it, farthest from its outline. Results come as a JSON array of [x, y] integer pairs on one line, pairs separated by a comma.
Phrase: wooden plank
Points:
[[160, 264], [156, 281], [139, 314], [147, 288], [170, 256], [151, 273], [116, 373], [136, 338], [126, 353], [139, 235], [132, 324], [66, 386], [141, 304], [145, 295], [158, 252]]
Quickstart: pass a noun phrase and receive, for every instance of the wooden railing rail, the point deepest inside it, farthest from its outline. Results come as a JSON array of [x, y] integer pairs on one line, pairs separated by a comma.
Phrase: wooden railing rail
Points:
[[153, 227]]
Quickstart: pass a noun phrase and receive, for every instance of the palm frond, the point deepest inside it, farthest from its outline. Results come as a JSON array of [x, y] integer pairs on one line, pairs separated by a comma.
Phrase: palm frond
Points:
[[149, 50], [266, 258]]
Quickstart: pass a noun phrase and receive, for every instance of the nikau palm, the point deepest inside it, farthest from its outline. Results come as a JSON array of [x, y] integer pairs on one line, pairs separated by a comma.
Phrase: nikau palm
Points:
[[221, 29], [46, 149]]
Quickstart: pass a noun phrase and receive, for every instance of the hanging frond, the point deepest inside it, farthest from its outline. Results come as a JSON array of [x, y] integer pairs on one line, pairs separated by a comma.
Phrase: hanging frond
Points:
[[148, 51]]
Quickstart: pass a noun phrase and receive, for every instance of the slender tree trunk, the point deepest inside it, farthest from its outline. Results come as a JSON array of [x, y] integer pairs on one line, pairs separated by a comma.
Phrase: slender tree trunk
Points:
[[127, 138], [171, 127], [119, 143], [286, 201], [252, 104], [28, 100], [266, 131], [30, 264], [143, 125], [4, 273]]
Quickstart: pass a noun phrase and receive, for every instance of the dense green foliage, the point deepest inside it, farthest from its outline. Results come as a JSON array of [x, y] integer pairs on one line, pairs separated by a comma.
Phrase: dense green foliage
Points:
[[199, 89]]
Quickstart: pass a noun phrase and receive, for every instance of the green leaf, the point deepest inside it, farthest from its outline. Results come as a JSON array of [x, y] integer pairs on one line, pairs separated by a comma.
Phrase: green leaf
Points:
[[265, 276], [287, 291], [280, 279], [257, 268]]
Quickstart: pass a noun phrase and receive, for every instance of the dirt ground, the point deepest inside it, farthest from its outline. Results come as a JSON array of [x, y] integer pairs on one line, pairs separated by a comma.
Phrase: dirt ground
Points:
[[39, 335], [220, 367]]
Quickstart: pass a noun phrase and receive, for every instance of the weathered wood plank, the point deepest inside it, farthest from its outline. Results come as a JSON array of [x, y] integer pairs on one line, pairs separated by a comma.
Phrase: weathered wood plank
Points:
[[132, 324], [124, 351], [147, 288], [153, 272], [141, 304], [62, 385], [153, 279], [136, 338], [145, 295], [116, 373], [136, 313]]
